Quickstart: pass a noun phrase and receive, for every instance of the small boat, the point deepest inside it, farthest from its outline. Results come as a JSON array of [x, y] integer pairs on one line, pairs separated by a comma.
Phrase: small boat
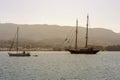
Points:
[[17, 53], [85, 50], [35, 55]]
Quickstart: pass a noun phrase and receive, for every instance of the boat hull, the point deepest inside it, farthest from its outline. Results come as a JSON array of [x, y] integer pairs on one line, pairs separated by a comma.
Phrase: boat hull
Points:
[[84, 51], [19, 54]]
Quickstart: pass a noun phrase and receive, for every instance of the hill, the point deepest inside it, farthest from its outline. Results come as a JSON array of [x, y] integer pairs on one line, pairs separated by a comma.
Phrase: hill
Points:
[[54, 35]]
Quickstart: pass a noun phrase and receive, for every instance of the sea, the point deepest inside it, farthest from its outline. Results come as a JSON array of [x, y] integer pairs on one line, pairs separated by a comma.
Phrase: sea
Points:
[[61, 65]]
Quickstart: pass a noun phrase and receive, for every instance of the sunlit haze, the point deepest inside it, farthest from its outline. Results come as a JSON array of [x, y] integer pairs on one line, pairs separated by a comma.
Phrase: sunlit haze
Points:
[[103, 13]]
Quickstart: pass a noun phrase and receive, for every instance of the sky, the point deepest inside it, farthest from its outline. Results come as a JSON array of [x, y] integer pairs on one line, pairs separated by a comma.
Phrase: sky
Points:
[[102, 13]]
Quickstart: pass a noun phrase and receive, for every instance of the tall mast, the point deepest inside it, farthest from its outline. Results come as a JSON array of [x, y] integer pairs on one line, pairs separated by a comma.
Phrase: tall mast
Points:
[[17, 38], [76, 35], [86, 44]]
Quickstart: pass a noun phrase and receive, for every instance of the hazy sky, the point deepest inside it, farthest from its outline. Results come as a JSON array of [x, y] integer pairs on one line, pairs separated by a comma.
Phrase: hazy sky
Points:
[[103, 13]]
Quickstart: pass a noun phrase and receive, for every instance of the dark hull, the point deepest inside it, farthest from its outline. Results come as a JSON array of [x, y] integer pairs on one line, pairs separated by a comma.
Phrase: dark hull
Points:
[[81, 51], [19, 54]]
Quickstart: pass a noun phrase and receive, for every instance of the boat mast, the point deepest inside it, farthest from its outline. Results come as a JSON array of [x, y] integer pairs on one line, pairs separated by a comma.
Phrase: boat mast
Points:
[[86, 44], [76, 35], [17, 38]]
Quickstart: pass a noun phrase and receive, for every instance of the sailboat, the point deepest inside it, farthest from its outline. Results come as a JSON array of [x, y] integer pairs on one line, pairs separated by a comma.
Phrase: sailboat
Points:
[[84, 50], [17, 53]]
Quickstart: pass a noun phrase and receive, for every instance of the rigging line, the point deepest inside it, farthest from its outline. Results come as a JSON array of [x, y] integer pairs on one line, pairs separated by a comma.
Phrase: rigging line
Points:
[[17, 38], [12, 42], [70, 32], [71, 35], [71, 40]]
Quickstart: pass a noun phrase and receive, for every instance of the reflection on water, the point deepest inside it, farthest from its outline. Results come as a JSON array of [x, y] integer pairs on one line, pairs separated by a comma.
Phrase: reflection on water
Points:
[[60, 66]]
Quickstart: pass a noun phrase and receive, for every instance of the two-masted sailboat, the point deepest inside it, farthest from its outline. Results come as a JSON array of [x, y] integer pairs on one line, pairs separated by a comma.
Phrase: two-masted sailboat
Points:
[[84, 50], [17, 53]]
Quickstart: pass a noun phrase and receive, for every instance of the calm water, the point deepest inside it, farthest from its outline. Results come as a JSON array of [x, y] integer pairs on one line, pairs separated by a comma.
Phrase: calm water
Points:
[[61, 66]]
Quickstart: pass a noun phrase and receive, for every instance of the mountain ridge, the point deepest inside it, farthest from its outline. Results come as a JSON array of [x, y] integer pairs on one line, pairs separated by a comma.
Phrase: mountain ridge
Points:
[[55, 34]]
